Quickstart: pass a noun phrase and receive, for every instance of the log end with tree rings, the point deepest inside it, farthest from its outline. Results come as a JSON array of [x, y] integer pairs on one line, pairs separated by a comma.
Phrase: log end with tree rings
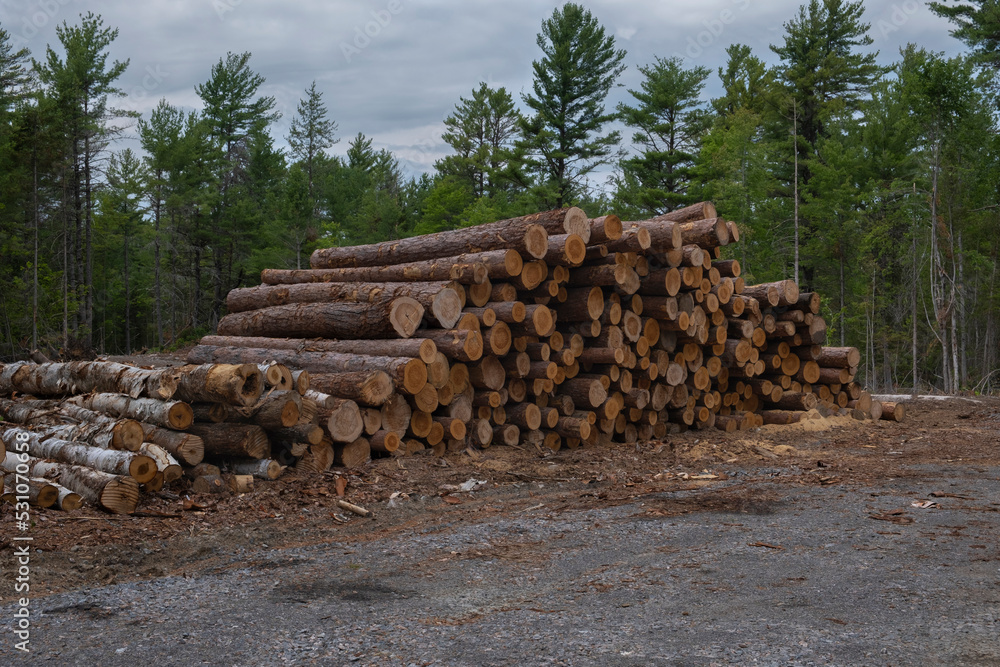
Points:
[[180, 416], [536, 241], [405, 314]]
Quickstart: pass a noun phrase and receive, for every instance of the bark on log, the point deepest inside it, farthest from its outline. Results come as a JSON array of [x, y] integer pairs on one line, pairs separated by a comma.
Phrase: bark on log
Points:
[[839, 357], [239, 440], [520, 234], [460, 345], [52, 419], [79, 377], [35, 491], [387, 318], [138, 466], [259, 468], [114, 493], [605, 228], [233, 384], [407, 374], [166, 464], [468, 269], [170, 414], [892, 411], [187, 448], [439, 298], [410, 347]]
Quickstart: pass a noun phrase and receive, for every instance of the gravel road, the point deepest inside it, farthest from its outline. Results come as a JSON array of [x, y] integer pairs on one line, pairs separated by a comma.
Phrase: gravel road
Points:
[[762, 568]]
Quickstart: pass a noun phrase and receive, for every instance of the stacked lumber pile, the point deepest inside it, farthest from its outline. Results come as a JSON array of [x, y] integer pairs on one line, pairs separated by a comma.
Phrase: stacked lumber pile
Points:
[[550, 330], [106, 432]]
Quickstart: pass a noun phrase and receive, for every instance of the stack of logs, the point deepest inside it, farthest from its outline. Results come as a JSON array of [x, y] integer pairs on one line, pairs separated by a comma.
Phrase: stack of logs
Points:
[[105, 432], [548, 330]]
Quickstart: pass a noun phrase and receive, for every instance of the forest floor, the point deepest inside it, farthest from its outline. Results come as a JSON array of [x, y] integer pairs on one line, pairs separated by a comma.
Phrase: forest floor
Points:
[[828, 542]]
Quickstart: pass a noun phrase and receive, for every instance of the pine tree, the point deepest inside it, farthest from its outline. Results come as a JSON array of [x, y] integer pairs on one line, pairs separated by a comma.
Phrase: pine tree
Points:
[[669, 120], [482, 132], [978, 24], [562, 139], [83, 83], [311, 133]]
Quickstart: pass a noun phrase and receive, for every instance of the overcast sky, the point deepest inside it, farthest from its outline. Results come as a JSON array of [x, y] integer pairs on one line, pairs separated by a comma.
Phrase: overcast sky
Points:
[[398, 82]]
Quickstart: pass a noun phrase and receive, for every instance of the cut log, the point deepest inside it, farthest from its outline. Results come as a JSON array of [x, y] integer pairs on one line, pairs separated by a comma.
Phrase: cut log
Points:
[[396, 415], [439, 298], [385, 442], [892, 411], [370, 388], [166, 464], [343, 421], [407, 374], [605, 228], [78, 377], [138, 466], [388, 317], [114, 493], [411, 347], [839, 357], [187, 448], [259, 468], [233, 384], [36, 492], [353, 455], [517, 233], [49, 418], [169, 414], [460, 345], [241, 440]]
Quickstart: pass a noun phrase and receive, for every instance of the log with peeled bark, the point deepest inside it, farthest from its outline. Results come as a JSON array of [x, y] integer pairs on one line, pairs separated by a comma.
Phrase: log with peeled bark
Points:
[[232, 384], [138, 466], [170, 414], [259, 468], [166, 464], [407, 374], [343, 422], [439, 298], [73, 423], [80, 377], [409, 347], [389, 317], [35, 491], [188, 448], [354, 454], [115, 493], [246, 440], [520, 234]]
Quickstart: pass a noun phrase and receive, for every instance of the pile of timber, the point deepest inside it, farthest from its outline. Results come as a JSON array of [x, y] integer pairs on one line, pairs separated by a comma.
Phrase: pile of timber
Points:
[[548, 330], [106, 432]]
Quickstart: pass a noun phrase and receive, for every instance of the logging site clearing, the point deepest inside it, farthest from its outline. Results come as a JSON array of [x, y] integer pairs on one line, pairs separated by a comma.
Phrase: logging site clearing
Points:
[[921, 495]]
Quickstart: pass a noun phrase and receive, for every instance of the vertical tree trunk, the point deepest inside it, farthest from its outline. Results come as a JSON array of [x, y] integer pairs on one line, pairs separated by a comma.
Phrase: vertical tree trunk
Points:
[[88, 276], [157, 294], [913, 307]]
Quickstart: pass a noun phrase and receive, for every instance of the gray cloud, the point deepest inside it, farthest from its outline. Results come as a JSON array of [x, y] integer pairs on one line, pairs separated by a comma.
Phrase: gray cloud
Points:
[[420, 57]]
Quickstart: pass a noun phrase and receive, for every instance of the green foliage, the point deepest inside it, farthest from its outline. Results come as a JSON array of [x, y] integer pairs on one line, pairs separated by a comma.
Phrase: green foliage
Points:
[[978, 25], [482, 132], [562, 140], [669, 122]]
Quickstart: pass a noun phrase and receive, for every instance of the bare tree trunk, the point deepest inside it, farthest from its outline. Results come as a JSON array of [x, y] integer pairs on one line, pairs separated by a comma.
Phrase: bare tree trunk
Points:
[[913, 307]]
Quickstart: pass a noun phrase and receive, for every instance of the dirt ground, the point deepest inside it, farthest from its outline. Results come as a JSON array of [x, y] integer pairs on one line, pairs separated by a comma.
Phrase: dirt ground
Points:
[[892, 482]]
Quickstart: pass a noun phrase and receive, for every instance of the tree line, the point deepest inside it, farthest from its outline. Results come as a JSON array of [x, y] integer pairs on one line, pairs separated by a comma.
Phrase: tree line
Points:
[[874, 185]]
